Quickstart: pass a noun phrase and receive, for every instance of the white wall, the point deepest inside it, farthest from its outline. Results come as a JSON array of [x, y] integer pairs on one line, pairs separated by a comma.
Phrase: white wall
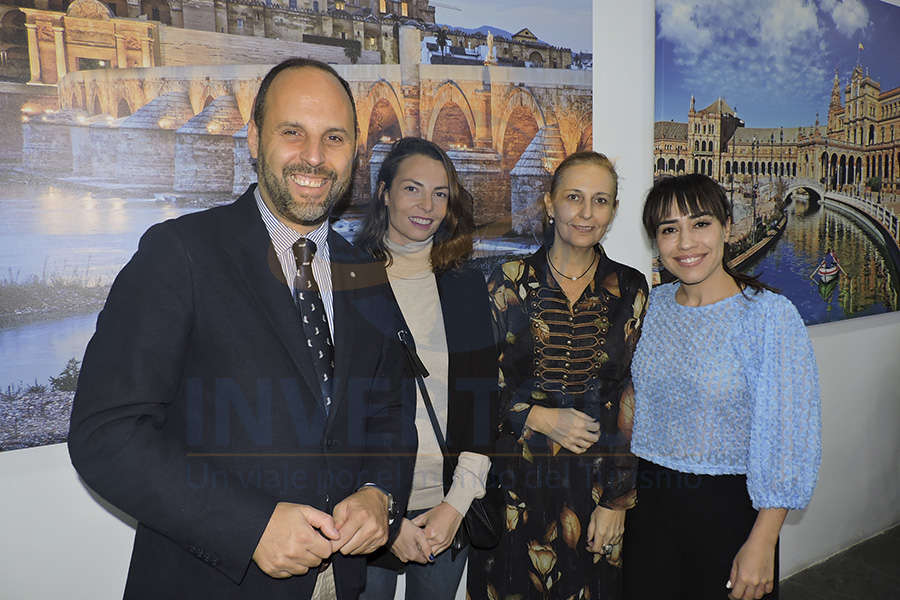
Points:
[[56, 533], [623, 117], [58, 540], [858, 493]]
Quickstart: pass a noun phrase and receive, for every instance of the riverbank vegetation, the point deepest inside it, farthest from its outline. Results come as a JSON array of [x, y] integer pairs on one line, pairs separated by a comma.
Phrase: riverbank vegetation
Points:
[[37, 414], [25, 300]]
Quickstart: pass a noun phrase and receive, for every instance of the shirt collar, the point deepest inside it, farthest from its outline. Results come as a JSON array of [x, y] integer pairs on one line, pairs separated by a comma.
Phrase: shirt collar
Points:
[[283, 237]]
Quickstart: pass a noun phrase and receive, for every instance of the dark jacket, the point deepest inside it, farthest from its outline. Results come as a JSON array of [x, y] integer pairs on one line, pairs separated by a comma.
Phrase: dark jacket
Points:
[[472, 397], [198, 409]]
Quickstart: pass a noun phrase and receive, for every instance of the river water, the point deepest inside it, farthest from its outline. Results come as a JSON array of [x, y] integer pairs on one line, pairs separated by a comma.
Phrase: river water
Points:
[[50, 231], [870, 285]]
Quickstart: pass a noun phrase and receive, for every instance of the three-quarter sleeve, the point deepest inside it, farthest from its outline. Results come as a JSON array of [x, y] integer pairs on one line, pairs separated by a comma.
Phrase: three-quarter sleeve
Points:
[[502, 287], [785, 433]]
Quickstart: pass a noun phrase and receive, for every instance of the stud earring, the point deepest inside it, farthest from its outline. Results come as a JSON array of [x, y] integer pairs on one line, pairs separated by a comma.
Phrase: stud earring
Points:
[[551, 220]]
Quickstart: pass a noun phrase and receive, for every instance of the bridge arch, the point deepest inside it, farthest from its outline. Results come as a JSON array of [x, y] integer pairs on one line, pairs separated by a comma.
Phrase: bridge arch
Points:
[[93, 103], [123, 109], [815, 191], [380, 101], [450, 95], [75, 98], [518, 98], [586, 141]]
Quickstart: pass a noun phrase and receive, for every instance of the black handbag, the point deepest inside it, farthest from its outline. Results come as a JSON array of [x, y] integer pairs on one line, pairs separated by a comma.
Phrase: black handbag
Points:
[[482, 524]]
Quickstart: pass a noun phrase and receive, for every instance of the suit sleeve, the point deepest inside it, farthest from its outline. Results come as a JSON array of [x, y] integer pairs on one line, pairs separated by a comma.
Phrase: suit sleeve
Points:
[[126, 436]]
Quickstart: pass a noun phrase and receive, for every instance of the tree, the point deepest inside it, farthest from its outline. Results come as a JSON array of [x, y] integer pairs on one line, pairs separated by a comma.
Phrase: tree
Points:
[[67, 380], [353, 51], [442, 40]]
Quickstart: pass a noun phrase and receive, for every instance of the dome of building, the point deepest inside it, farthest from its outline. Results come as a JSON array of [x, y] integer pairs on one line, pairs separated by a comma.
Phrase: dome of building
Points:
[[89, 9]]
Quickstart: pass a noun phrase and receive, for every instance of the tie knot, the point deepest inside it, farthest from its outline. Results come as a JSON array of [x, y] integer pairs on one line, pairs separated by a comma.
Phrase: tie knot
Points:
[[304, 250]]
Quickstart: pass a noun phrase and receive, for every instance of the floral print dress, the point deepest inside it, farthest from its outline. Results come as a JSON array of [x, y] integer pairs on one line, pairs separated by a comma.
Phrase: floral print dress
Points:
[[559, 355]]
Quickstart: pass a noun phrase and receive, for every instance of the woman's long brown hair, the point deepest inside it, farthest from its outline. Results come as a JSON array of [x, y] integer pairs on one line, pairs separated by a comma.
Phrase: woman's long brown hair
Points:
[[453, 238]]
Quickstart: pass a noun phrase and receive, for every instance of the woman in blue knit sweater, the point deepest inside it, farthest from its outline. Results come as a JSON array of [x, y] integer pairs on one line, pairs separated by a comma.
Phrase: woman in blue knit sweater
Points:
[[727, 419]]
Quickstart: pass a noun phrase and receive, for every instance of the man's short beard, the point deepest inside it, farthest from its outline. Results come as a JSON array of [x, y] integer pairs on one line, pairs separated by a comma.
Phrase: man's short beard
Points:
[[306, 214]]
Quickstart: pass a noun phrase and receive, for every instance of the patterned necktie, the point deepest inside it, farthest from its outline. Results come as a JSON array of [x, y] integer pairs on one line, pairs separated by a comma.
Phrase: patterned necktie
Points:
[[312, 315]]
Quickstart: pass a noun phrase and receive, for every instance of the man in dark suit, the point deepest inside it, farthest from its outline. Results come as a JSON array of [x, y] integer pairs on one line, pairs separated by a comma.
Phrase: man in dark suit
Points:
[[245, 396]]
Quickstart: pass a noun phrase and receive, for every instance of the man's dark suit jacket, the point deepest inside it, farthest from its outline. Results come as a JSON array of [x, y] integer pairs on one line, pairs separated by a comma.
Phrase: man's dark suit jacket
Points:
[[198, 408]]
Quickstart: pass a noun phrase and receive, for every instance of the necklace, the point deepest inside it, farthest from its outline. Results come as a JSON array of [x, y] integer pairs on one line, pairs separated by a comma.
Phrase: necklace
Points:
[[593, 259]]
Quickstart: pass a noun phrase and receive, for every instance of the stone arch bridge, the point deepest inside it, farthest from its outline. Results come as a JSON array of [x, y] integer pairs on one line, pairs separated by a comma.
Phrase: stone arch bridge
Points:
[[495, 121], [885, 220]]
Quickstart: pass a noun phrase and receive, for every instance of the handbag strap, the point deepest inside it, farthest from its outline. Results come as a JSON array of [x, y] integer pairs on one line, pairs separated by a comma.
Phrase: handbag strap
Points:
[[420, 371]]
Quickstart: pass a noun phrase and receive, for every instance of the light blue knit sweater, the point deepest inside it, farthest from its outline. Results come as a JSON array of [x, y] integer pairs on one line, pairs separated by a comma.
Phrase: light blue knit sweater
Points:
[[730, 387]]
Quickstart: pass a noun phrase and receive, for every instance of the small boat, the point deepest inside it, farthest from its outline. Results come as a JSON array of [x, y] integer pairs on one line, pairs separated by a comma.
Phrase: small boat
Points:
[[828, 269], [828, 273]]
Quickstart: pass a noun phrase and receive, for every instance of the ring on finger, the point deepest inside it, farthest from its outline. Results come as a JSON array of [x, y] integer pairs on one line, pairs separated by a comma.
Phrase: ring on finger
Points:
[[606, 548]]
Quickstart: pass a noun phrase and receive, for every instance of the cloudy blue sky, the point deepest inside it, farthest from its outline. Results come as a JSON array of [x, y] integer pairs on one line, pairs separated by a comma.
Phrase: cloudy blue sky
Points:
[[772, 60], [570, 28]]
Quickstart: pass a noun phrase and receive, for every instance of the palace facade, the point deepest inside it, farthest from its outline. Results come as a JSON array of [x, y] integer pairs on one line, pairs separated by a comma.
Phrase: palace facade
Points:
[[856, 150], [66, 35]]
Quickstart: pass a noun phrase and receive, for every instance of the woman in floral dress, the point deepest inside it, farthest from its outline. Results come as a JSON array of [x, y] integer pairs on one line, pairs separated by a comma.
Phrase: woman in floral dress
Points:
[[567, 318]]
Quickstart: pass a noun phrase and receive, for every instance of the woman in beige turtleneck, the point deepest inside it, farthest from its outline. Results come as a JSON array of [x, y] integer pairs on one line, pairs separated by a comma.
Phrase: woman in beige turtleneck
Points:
[[420, 223]]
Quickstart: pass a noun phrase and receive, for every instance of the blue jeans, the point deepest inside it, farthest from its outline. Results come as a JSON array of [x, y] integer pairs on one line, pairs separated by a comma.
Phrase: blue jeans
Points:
[[434, 581]]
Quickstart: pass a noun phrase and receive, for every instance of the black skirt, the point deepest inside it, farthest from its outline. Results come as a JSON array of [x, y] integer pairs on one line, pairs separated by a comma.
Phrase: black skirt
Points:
[[683, 535]]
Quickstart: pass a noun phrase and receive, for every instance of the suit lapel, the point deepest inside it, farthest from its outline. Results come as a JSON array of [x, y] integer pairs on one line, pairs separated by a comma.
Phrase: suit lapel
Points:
[[342, 275], [356, 281], [247, 241]]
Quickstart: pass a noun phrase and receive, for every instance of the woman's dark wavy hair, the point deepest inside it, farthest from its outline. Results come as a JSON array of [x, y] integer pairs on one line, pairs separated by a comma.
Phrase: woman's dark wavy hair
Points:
[[453, 238], [695, 194]]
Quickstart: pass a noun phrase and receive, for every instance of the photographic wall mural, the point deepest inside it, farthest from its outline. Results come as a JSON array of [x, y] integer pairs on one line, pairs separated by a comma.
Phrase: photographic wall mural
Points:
[[117, 115], [794, 108]]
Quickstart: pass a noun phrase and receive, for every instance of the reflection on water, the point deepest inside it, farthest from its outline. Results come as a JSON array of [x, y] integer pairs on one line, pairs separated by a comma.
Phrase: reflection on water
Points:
[[39, 350], [872, 286], [49, 230]]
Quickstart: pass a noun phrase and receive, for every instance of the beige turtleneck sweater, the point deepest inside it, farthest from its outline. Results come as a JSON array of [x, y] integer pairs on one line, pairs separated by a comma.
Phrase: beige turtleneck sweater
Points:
[[415, 287]]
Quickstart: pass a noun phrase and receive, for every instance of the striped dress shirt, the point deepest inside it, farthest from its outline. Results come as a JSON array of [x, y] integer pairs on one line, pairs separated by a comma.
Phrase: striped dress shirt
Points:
[[283, 238]]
